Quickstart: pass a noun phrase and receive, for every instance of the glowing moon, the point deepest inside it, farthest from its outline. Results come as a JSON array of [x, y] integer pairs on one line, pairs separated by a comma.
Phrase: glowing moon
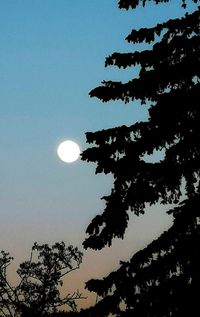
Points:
[[68, 151]]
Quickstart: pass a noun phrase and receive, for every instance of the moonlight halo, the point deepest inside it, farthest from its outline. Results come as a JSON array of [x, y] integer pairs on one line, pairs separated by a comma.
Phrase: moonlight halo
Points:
[[68, 151]]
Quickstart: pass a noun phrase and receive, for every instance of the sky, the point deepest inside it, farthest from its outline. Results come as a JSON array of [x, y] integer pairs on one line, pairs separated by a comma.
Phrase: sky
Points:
[[52, 54]]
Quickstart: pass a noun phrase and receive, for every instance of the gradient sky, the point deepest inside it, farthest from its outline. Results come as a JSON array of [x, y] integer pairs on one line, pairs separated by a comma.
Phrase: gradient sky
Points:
[[52, 54]]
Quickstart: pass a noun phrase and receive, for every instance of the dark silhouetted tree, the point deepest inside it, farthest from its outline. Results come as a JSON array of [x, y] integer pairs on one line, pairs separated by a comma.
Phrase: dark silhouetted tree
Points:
[[38, 291], [163, 279]]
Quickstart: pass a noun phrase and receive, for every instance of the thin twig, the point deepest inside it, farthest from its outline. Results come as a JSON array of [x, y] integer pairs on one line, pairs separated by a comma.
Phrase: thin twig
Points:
[[75, 268]]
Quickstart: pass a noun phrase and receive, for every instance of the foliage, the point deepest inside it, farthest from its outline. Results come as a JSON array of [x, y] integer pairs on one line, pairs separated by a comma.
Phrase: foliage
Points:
[[38, 291], [169, 81], [160, 280]]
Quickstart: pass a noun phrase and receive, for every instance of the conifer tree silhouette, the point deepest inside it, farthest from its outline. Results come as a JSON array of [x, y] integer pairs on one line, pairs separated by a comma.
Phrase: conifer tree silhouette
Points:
[[163, 279]]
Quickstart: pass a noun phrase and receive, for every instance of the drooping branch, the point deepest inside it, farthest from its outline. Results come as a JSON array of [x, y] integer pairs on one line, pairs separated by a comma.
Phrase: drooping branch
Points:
[[132, 4]]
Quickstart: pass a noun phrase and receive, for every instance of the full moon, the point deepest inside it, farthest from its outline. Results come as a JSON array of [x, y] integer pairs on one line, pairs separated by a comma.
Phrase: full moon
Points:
[[68, 151]]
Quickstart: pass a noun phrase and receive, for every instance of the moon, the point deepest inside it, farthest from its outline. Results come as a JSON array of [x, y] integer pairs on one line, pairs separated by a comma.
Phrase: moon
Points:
[[68, 151]]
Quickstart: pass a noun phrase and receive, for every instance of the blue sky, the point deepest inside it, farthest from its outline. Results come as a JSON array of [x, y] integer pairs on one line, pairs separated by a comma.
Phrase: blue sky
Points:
[[51, 55]]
